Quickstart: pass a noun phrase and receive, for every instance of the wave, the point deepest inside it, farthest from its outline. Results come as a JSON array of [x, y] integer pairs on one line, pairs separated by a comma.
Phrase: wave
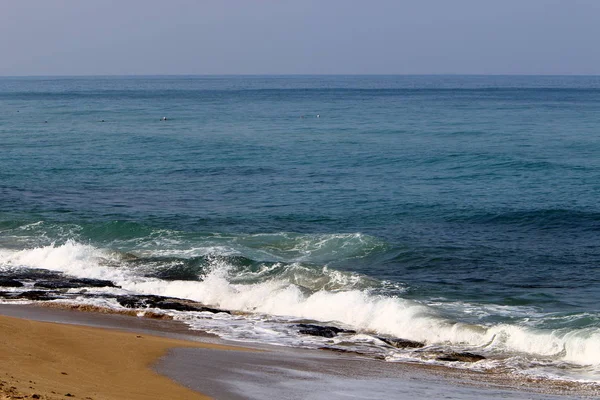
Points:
[[294, 291], [129, 236]]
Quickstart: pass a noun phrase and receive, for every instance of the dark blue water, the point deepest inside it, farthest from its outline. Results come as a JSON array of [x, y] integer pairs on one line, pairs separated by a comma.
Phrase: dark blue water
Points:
[[475, 197]]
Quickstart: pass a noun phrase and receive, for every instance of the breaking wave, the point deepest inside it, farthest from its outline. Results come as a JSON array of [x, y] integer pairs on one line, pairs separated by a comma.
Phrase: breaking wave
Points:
[[304, 291]]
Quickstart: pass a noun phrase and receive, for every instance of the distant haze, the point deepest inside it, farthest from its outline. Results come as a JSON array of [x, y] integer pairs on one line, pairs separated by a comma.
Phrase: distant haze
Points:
[[110, 37]]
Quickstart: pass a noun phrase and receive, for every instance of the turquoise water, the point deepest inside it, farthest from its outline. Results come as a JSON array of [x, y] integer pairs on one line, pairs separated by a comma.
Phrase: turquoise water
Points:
[[457, 210]]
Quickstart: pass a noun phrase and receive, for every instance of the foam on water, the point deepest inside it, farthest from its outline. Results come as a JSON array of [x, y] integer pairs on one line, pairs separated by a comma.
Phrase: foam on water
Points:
[[72, 258], [314, 248], [280, 298]]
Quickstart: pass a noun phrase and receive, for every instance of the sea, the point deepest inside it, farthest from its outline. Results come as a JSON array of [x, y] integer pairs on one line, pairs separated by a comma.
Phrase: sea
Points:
[[460, 212]]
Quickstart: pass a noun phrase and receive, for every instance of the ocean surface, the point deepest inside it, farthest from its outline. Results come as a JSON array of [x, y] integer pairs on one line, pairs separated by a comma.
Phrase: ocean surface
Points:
[[457, 211]]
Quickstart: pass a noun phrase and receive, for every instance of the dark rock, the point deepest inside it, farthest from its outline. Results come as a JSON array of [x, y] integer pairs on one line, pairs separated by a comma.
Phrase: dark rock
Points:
[[87, 282], [322, 331], [212, 310], [165, 303], [401, 343], [74, 283], [174, 305], [55, 285], [462, 357], [318, 332], [36, 295], [34, 274], [130, 301], [7, 282]]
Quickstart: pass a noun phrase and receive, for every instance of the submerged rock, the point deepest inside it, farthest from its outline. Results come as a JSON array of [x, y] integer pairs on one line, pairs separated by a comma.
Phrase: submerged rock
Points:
[[7, 282], [462, 357], [352, 352], [35, 295], [33, 274], [74, 283], [165, 303], [322, 331], [401, 343]]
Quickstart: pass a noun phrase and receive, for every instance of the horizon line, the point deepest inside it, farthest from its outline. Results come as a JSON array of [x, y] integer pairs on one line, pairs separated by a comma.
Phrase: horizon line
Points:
[[291, 75]]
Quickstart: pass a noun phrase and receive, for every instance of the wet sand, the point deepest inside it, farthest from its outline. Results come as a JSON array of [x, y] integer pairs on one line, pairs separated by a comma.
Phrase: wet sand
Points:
[[104, 357], [306, 374]]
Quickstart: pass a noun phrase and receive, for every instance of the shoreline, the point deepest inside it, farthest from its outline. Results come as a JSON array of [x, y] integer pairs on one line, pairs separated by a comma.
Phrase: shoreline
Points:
[[198, 364]]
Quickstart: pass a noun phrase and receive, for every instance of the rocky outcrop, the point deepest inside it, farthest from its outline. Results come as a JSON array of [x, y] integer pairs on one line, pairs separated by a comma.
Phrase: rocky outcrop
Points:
[[27, 274], [352, 352], [401, 343], [34, 295], [7, 282], [323, 331], [165, 303], [74, 283], [462, 357]]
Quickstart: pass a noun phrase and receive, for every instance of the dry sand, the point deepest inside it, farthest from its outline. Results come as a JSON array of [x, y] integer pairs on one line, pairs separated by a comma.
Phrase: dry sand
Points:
[[55, 361]]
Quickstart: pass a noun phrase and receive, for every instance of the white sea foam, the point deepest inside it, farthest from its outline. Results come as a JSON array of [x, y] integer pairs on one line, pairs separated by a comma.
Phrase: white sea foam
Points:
[[357, 309], [276, 247], [72, 258], [293, 247], [186, 252]]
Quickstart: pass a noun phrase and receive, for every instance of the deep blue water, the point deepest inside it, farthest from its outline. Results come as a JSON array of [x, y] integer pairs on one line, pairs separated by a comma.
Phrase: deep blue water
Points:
[[476, 196]]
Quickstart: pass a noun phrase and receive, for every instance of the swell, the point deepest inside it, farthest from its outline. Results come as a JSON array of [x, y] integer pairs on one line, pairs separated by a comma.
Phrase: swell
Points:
[[544, 219], [128, 236]]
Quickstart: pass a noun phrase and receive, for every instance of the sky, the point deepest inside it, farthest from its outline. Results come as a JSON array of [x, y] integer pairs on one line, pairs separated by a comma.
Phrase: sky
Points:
[[152, 37]]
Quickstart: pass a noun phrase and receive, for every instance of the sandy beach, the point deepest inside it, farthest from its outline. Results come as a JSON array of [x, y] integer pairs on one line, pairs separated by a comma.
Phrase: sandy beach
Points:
[[53, 361], [89, 355], [300, 200]]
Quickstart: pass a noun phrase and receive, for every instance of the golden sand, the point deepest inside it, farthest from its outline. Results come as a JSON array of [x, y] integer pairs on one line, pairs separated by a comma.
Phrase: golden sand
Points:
[[56, 361]]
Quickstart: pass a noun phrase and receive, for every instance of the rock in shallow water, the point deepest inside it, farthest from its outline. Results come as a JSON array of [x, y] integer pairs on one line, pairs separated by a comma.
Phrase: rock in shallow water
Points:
[[462, 357], [165, 303], [74, 283], [352, 352], [7, 282], [35, 295], [401, 343], [323, 331]]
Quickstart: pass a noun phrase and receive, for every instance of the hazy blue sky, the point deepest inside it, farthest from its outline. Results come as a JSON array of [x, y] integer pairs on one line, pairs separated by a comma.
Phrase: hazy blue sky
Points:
[[74, 37]]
